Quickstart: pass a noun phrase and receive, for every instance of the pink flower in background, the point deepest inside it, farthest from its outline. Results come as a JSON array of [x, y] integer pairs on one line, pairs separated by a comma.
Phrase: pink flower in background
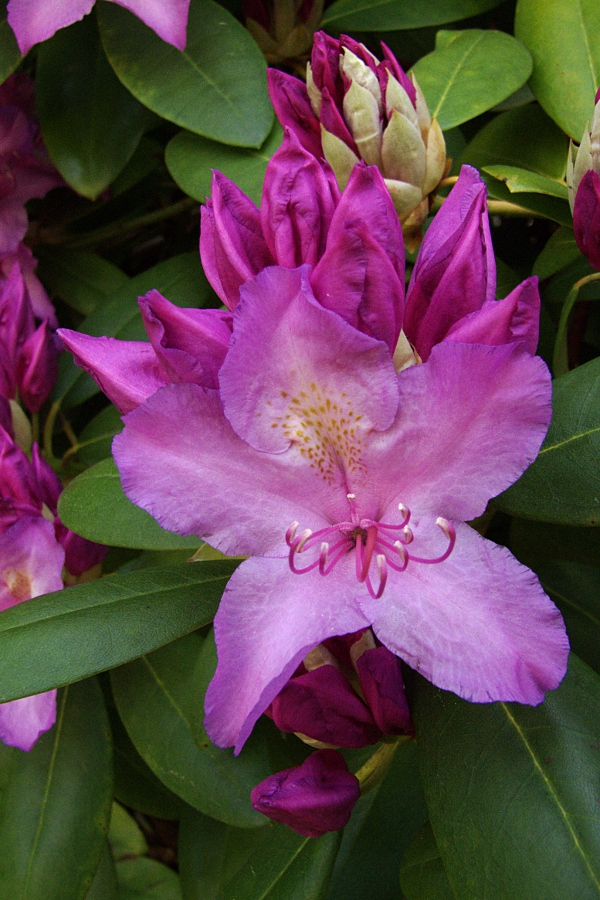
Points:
[[25, 168], [37, 20], [311, 799], [28, 353], [583, 180], [31, 562], [30, 489], [348, 484]]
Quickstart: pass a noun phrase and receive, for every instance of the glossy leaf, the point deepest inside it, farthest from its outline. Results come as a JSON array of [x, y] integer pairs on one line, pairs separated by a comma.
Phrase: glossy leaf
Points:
[[160, 698], [512, 790], [92, 627], [564, 41], [422, 875], [55, 802], [381, 827], [522, 181], [10, 57], [90, 122], [525, 137], [94, 506], [147, 879], [96, 438], [394, 15], [216, 87], [180, 279], [587, 288], [560, 251], [81, 279], [125, 836], [472, 73], [563, 484], [190, 159], [104, 886], [576, 591], [217, 862], [537, 543]]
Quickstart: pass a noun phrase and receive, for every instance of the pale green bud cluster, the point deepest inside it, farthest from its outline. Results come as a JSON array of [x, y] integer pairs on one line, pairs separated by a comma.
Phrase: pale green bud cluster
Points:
[[584, 157]]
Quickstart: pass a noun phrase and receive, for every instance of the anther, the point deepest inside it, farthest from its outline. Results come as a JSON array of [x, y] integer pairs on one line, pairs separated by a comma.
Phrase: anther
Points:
[[303, 539], [323, 557], [351, 496], [401, 552], [291, 532], [446, 527], [403, 509], [408, 535]]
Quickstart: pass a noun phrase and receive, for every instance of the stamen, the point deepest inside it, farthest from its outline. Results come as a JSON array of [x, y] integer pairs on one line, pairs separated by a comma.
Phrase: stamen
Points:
[[403, 510], [401, 552], [323, 557], [291, 533], [302, 540], [450, 533], [408, 535], [369, 548]]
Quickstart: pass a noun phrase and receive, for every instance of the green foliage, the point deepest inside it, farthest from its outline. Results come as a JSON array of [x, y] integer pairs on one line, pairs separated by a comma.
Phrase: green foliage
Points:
[[90, 122], [147, 879], [10, 56], [94, 626], [55, 803], [94, 506], [216, 87], [511, 790], [469, 72], [423, 876], [393, 15], [81, 279]]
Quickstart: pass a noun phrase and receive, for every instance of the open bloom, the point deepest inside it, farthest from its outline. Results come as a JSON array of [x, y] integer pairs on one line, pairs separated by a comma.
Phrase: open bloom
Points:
[[29, 489], [348, 484], [355, 107], [25, 168], [31, 561], [583, 180], [37, 20], [311, 799]]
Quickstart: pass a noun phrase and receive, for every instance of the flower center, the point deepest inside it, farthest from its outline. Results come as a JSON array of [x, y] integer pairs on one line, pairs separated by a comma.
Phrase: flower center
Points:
[[376, 544]]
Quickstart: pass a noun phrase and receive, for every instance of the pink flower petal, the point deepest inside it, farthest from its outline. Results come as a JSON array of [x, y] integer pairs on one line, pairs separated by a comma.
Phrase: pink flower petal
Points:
[[267, 622], [180, 460], [292, 107], [37, 20], [31, 561], [23, 721], [298, 372], [478, 624], [168, 18]]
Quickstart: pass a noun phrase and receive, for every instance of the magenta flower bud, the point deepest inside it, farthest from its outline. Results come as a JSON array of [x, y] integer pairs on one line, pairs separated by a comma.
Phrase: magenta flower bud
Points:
[[455, 271], [321, 705], [40, 302], [311, 799], [586, 217], [37, 367], [284, 29], [383, 689], [292, 107]]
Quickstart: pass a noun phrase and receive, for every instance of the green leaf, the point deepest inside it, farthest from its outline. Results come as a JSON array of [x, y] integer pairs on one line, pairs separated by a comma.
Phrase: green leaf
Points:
[[586, 288], [94, 506], [90, 122], [564, 41], [540, 205], [136, 786], [422, 874], [217, 862], [524, 137], [380, 829], [104, 886], [180, 279], [92, 627], [216, 87], [537, 543], [55, 802], [190, 158], [147, 879], [576, 591], [471, 74], [10, 56], [96, 438], [82, 280], [506, 279], [396, 15], [125, 836], [560, 251], [160, 698], [512, 790], [522, 181], [563, 484]]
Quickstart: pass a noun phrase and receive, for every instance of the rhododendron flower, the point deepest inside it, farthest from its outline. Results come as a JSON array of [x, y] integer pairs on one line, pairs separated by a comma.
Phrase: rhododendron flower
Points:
[[37, 20], [26, 170], [28, 354], [30, 489], [348, 485], [284, 29], [31, 562], [355, 107], [311, 799]]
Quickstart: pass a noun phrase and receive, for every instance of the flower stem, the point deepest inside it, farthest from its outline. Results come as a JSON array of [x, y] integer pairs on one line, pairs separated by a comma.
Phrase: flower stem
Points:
[[377, 765]]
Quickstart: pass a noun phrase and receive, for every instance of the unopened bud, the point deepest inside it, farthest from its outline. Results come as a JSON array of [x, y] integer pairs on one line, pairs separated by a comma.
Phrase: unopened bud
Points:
[[583, 182]]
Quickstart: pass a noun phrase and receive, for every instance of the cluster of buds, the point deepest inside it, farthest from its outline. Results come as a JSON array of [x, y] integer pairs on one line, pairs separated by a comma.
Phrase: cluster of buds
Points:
[[283, 29], [355, 107], [348, 693], [583, 181]]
